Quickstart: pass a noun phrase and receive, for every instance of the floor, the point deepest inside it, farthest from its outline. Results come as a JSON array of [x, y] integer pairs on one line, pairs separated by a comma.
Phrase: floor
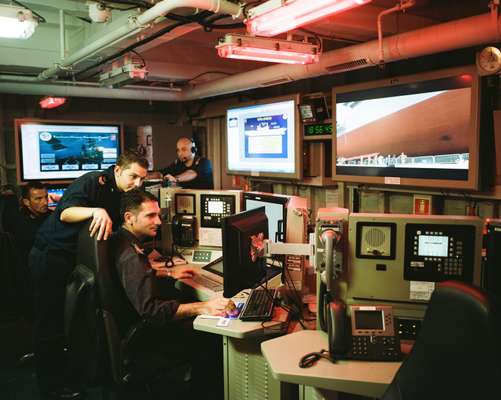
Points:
[[18, 382]]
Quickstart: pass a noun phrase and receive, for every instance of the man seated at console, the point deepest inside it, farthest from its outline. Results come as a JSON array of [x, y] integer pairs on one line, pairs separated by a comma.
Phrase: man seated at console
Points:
[[189, 170], [169, 328]]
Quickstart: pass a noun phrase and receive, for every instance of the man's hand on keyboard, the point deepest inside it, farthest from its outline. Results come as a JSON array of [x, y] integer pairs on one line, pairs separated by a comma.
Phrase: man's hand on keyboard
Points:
[[177, 272], [215, 306]]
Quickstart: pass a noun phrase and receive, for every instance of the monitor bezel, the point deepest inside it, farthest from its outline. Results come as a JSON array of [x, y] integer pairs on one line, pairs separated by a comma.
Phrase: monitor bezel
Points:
[[472, 183], [270, 198], [231, 272], [18, 122], [298, 145]]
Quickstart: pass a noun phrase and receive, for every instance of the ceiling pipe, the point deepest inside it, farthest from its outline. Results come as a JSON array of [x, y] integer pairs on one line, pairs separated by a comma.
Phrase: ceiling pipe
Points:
[[71, 90], [402, 6], [467, 32], [135, 25]]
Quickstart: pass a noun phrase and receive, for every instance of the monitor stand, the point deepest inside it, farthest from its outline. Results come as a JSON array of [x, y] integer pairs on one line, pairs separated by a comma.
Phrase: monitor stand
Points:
[[270, 274]]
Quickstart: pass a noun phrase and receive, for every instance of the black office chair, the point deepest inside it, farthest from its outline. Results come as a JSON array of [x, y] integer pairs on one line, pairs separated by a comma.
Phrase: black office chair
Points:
[[98, 326], [9, 281], [456, 354]]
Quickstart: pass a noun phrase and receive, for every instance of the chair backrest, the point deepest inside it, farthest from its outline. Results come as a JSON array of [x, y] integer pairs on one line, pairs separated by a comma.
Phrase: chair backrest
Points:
[[456, 354], [113, 306], [9, 293]]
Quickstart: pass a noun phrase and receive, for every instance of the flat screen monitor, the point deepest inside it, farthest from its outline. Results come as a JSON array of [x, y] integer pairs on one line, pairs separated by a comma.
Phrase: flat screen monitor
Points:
[[52, 151], [263, 139], [242, 268], [275, 209], [420, 130], [55, 193]]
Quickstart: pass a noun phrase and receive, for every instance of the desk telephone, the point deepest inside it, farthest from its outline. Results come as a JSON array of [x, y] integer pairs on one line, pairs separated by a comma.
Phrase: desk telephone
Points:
[[368, 334]]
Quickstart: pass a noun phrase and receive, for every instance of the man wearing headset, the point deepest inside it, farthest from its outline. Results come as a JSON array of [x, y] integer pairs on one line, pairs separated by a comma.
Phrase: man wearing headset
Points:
[[189, 171]]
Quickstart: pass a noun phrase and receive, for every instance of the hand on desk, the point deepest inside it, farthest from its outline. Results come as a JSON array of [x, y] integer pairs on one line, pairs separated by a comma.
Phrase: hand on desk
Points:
[[177, 272], [216, 305]]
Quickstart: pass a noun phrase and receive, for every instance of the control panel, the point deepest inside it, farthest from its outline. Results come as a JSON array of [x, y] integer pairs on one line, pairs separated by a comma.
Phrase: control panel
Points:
[[201, 256], [436, 252], [214, 207]]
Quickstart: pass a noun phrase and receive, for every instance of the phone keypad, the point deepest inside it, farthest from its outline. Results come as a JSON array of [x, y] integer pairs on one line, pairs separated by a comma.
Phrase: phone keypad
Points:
[[376, 348]]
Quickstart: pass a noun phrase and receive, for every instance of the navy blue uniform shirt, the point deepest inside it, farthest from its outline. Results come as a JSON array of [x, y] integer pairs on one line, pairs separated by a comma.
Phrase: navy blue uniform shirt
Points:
[[201, 165], [94, 189]]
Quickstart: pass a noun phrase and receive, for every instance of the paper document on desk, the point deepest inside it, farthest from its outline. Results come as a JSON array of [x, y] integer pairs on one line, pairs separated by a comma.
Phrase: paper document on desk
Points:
[[421, 290]]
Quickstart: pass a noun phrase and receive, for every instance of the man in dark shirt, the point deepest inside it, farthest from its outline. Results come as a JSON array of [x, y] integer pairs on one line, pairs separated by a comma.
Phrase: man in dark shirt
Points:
[[141, 215], [189, 171], [33, 212], [96, 196]]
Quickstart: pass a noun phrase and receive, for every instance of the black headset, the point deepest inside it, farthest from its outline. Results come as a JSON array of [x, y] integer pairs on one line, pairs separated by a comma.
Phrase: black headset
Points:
[[193, 146]]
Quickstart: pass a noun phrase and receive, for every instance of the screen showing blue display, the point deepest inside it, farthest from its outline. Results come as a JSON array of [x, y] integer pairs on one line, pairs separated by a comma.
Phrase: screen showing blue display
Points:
[[261, 139], [55, 194], [53, 151]]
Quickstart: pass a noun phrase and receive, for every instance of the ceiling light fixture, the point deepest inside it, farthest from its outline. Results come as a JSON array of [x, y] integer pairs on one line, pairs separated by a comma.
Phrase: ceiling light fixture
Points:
[[49, 102], [130, 71], [265, 49], [278, 16], [16, 22]]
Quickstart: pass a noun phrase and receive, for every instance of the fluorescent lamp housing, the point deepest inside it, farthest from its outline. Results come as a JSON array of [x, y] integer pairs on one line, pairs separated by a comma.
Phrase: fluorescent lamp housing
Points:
[[264, 49], [278, 16], [130, 72], [16, 22]]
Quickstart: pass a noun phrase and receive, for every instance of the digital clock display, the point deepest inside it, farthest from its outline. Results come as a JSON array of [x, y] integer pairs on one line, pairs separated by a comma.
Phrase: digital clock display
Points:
[[318, 129]]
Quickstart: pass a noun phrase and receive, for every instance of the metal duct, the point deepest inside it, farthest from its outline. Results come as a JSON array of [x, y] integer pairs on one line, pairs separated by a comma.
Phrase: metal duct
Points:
[[467, 32]]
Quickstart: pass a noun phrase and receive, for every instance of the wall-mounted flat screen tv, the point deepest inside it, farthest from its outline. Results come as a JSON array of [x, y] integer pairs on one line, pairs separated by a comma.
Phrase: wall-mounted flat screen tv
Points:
[[56, 151], [420, 130], [262, 139]]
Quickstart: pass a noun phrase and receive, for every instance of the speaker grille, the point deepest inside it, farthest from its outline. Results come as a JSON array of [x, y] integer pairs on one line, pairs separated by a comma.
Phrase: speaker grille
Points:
[[375, 237]]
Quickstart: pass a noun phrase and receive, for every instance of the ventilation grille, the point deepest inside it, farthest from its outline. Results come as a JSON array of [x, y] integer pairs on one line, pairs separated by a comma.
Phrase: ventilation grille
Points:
[[348, 65], [276, 81]]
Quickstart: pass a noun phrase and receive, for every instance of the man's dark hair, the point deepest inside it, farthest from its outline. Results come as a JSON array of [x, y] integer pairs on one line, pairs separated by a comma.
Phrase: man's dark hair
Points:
[[129, 157], [132, 200], [26, 189]]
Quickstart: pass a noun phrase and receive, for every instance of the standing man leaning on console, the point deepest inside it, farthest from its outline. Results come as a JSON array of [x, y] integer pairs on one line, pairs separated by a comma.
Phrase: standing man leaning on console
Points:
[[189, 170], [169, 329], [95, 195]]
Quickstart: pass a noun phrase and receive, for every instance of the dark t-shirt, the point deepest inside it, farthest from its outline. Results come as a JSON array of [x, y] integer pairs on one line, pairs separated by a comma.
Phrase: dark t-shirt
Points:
[[94, 189], [203, 168], [25, 231], [139, 281]]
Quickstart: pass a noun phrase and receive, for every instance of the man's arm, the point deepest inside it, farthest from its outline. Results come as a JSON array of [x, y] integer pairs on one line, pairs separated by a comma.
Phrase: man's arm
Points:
[[101, 221], [214, 306], [136, 278], [186, 176]]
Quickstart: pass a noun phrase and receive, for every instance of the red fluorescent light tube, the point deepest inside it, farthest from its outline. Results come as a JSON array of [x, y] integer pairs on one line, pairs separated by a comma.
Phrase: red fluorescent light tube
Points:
[[278, 16], [264, 49], [256, 54]]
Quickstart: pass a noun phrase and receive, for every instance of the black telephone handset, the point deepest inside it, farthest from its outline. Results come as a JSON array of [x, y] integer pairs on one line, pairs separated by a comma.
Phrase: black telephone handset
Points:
[[337, 329]]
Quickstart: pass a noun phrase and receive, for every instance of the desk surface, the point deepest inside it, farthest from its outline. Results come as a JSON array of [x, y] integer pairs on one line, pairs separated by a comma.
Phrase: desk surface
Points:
[[244, 329], [356, 377]]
